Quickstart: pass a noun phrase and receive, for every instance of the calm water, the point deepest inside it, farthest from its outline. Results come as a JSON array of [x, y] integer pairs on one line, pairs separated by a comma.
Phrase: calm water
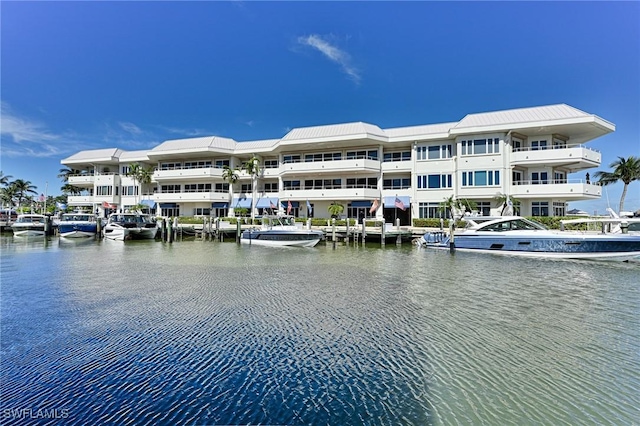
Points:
[[214, 333]]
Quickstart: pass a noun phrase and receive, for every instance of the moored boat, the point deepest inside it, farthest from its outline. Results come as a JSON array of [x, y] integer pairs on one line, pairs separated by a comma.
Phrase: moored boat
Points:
[[281, 231], [130, 226], [29, 225], [518, 236], [78, 225]]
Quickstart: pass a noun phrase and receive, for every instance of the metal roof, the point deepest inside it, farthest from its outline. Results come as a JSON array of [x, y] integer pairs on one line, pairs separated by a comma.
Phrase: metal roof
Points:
[[202, 143], [346, 130], [521, 116], [94, 156], [420, 132]]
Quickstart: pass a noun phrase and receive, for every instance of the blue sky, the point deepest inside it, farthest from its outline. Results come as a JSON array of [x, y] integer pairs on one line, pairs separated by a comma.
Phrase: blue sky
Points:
[[87, 75]]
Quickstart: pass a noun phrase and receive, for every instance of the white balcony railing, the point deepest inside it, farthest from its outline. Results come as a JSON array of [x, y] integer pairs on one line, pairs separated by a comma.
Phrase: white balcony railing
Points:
[[567, 189], [580, 156]]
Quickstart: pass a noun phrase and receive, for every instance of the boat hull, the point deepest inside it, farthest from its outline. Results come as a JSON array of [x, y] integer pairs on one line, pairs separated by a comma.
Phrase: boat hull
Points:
[[121, 234], [558, 246], [29, 232], [77, 230], [281, 239]]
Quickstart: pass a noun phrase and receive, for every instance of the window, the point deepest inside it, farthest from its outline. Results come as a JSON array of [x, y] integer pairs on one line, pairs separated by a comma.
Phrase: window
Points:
[[291, 184], [246, 187], [434, 181], [397, 183], [170, 166], [539, 178], [197, 164], [559, 209], [129, 190], [539, 208], [397, 156], [290, 159], [481, 146], [271, 187], [222, 187], [538, 145], [221, 163], [170, 189], [484, 208], [197, 187], [431, 211], [271, 164], [559, 177], [434, 152], [481, 178], [363, 182], [104, 190], [516, 176], [125, 170], [201, 211]]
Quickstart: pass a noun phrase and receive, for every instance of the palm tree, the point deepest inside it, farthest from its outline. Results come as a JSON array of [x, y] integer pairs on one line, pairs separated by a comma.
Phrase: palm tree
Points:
[[70, 189], [454, 206], [231, 176], [4, 179], [8, 195], [625, 169], [23, 189], [252, 167], [65, 173], [503, 200], [133, 173], [144, 177], [335, 209]]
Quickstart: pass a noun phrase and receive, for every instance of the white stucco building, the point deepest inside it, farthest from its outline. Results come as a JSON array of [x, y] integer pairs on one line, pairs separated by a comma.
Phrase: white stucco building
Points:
[[527, 153]]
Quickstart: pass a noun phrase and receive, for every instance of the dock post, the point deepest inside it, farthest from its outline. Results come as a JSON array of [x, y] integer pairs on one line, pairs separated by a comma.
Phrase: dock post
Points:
[[382, 239], [175, 229], [333, 232], [238, 231], [399, 237], [364, 231], [98, 227], [47, 225], [169, 230], [346, 238], [452, 244]]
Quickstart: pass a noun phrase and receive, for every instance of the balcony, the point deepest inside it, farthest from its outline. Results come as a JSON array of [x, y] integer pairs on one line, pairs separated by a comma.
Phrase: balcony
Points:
[[82, 180], [569, 190], [397, 166], [360, 165], [331, 193], [574, 158], [80, 200], [190, 197], [187, 174]]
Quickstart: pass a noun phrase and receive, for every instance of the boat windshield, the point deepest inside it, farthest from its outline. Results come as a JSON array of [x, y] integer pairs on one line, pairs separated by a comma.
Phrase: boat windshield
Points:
[[519, 224]]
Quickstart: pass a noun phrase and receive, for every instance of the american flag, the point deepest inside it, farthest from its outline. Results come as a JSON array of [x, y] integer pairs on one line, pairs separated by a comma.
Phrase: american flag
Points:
[[374, 206], [309, 209], [273, 206], [400, 204], [289, 207], [41, 197]]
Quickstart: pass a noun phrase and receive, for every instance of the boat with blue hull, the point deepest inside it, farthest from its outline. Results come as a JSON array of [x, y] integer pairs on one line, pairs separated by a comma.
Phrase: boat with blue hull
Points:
[[78, 225], [518, 236], [281, 231]]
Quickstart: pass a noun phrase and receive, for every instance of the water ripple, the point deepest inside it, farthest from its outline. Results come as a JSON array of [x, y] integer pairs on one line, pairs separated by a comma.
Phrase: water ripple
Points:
[[208, 333]]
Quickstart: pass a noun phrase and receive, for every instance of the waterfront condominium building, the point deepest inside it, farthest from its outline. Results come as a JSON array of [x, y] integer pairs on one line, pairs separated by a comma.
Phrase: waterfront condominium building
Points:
[[398, 173]]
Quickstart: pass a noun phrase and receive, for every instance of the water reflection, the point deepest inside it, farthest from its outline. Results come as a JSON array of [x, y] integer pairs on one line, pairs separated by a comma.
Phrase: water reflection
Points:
[[200, 332]]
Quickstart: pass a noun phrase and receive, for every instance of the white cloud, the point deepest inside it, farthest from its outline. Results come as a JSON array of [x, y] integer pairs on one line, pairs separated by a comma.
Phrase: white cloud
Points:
[[26, 137], [130, 127], [333, 53]]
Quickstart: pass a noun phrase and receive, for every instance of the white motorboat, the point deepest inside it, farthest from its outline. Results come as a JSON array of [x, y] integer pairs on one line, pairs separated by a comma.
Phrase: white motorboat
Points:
[[78, 225], [29, 225], [518, 236], [281, 231], [130, 226]]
